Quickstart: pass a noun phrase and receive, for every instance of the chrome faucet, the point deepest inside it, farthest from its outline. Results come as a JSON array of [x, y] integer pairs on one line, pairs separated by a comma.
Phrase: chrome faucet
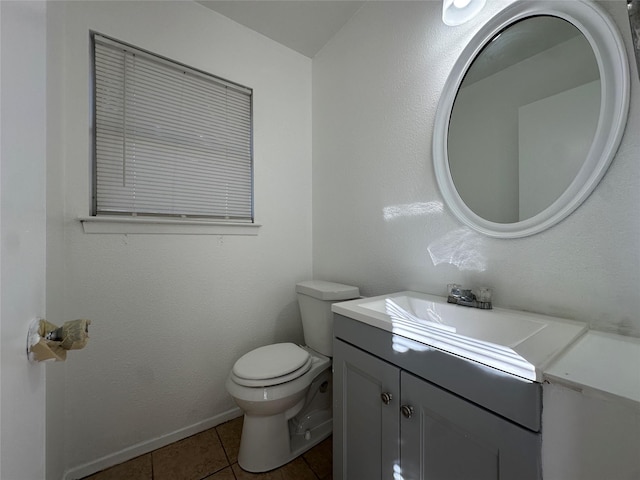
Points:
[[466, 297]]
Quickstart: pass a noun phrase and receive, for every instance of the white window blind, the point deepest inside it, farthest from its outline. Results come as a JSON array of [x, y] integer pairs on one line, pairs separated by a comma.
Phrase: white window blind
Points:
[[169, 140]]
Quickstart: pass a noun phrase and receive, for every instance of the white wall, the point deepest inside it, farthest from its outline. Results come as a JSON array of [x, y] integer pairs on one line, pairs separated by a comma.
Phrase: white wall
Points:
[[22, 229], [378, 216], [171, 313]]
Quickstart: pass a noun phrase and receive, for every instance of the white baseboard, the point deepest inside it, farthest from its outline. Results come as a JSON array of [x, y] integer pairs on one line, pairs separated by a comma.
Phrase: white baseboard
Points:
[[147, 446]]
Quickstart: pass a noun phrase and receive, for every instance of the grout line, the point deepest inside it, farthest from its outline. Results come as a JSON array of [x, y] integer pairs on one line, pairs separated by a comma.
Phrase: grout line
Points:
[[310, 467], [226, 455], [224, 449]]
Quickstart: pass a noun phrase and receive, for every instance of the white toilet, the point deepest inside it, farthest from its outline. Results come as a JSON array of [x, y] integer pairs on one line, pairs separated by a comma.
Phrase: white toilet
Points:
[[285, 390]]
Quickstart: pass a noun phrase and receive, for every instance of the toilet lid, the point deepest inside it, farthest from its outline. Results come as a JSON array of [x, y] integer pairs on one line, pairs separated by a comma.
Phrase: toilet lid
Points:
[[270, 382], [272, 362]]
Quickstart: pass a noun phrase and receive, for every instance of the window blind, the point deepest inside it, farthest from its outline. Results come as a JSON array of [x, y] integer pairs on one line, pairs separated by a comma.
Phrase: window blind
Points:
[[169, 140]]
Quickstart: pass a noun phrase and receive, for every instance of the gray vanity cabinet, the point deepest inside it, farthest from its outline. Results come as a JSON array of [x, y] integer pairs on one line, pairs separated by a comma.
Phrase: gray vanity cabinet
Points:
[[391, 424], [368, 422], [447, 438]]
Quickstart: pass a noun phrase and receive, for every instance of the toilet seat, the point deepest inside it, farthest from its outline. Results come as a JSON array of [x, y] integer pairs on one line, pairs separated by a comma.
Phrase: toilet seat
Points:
[[271, 365]]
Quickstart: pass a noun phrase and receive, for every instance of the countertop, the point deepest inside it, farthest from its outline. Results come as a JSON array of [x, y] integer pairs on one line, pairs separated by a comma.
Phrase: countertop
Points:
[[600, 364], [520, 343]]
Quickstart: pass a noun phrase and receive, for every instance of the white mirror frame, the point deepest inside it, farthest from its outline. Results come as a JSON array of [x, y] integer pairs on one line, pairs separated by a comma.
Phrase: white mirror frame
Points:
[[610, 53]]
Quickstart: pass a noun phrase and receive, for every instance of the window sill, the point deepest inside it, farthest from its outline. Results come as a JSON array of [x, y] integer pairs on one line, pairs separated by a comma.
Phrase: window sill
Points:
[[165, 226]]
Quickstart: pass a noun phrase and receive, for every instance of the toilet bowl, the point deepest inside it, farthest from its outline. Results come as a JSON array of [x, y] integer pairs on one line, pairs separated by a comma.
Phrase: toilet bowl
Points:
[[265, 441], [285, 390]]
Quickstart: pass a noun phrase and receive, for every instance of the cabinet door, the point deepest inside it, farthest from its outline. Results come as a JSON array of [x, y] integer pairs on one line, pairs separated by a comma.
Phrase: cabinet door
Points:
[[448, 438], [366, 415]]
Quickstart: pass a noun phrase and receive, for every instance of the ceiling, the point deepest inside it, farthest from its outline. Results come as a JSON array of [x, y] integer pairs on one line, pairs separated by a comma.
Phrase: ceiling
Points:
[[302, 25], [307, 25]]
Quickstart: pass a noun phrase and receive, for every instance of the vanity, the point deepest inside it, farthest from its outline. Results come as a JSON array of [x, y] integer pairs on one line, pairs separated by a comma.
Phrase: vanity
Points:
[[426, 389]]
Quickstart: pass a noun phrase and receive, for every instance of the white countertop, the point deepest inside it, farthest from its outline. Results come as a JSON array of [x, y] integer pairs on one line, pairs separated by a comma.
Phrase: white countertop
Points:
[[602, 364], [520, 343]]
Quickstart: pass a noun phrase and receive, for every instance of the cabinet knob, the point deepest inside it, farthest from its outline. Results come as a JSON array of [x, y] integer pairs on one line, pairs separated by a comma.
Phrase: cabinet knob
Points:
[[386, 397], [407, 411]]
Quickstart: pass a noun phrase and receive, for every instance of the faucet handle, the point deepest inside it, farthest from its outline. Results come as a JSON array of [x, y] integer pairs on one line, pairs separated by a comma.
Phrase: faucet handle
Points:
[[484, 298], [453, 292], [484, 294], [453, 289]]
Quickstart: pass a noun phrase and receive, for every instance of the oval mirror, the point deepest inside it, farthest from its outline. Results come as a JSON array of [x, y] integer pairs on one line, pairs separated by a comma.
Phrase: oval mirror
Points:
[[531, 116]]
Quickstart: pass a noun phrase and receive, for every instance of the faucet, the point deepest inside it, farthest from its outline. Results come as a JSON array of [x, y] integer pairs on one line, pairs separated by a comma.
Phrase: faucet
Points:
[[465, 297]]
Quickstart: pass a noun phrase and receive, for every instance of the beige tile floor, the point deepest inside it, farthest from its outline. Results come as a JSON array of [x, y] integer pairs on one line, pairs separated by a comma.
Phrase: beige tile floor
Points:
[[213, 455]]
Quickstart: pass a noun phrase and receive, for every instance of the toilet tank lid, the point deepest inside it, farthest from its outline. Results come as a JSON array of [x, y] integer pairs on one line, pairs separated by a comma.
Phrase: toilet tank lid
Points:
[[323, 290]]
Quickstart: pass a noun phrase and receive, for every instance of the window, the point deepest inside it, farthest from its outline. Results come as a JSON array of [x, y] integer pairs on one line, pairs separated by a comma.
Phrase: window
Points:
[[169, 140]]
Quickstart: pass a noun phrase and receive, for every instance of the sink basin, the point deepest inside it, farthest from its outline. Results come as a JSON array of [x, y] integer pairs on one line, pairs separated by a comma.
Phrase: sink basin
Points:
[[490, 326], [518, 343]]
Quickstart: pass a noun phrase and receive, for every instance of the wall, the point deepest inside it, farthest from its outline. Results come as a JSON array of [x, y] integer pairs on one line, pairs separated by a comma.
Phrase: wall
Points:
[[171, 313], [378, 217], [22, 228]]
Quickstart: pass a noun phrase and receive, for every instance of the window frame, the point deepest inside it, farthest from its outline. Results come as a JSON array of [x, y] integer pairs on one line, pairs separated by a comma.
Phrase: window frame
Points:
[[131, 222]]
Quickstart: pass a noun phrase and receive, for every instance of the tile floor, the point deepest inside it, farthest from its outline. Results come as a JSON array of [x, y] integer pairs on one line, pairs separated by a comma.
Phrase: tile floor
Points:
[[213, 455]]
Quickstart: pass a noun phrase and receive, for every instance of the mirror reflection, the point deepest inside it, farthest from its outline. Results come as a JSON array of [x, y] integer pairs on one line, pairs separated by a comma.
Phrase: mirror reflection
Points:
[[524, 119]]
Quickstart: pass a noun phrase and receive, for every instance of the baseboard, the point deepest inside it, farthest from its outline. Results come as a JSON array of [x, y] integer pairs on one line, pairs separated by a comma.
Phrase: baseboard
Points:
[[147, 446]]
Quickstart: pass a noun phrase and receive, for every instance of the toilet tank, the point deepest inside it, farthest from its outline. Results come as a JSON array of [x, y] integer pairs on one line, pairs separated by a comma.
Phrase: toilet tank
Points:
[[315, 298]]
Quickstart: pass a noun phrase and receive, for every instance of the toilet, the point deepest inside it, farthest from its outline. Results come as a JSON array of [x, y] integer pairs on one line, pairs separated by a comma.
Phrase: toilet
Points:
[[285, 390]]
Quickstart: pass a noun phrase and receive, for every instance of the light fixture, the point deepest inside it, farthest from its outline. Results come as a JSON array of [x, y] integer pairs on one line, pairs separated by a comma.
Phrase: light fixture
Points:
[[456, 12]]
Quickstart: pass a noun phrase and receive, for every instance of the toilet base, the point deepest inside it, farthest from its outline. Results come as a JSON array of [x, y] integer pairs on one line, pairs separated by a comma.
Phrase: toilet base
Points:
[[269, 442], [261, 454], [300, 443]]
